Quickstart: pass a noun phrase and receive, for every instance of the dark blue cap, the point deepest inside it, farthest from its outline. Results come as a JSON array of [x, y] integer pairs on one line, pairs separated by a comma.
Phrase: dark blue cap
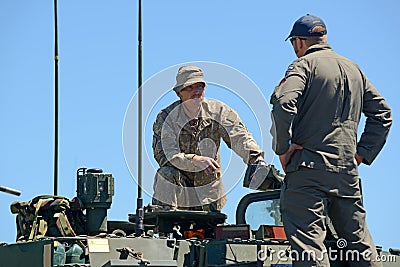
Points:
[[305, 25]]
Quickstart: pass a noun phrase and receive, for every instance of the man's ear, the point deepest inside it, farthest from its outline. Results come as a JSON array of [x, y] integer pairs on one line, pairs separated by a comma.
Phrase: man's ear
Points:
[[302, 43], [178, 94]]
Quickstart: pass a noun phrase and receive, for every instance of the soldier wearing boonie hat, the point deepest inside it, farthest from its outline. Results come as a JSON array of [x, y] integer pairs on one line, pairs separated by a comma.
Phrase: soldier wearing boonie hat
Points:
[[186, 147], [316, 112]]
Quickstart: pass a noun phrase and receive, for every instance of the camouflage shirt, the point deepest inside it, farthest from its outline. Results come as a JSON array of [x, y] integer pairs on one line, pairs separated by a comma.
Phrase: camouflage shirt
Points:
[[176, 139]]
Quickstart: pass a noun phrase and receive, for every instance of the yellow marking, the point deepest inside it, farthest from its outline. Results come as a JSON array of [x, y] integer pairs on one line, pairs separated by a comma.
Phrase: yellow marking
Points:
[[98, 245]]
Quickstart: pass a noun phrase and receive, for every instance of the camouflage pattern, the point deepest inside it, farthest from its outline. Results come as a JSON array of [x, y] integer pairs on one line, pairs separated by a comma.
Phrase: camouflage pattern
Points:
[[48, 216], [176, 140]]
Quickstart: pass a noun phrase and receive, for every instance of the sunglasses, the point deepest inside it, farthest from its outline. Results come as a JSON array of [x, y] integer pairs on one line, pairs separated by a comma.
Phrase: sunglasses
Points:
[[294, 38]]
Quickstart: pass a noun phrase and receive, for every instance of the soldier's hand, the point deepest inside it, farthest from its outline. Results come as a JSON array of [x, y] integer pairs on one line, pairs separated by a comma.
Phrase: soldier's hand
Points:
[[285, 158], [359, 159], [209, 165]]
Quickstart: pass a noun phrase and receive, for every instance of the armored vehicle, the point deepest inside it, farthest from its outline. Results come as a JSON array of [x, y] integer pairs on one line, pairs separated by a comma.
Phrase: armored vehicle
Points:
[[56, 231]]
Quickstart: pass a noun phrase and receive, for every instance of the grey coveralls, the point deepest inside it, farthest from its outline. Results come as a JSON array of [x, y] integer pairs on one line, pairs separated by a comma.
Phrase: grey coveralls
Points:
[[178, 183], [318, 106]]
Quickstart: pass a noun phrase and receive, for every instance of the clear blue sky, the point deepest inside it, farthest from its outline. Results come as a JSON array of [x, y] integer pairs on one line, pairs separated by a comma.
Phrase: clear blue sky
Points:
[[98, 79]]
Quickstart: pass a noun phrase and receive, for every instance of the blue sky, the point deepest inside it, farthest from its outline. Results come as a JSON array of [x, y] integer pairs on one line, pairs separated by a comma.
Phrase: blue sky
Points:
[[98, 79]]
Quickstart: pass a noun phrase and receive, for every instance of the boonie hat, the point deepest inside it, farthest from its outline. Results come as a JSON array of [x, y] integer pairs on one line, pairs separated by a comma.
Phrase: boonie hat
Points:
[[304, 26], [188, 75]]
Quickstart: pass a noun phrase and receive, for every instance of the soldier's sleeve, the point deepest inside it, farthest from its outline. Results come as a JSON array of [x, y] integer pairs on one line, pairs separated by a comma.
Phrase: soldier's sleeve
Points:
[[165, 145], [158, 152], [284, 101], [378, 121], [238, 138]]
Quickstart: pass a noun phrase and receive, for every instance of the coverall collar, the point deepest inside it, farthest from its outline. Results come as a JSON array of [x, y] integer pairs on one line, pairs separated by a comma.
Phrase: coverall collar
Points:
[[317, 47]]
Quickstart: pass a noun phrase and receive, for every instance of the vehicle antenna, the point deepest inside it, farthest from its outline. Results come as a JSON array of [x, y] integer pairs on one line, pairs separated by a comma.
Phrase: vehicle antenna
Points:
[[55, 100], [139, 205], [10, 190]]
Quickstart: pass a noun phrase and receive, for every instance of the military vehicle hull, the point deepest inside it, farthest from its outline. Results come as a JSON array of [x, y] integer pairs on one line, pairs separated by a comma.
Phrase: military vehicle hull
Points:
[[175, 238]]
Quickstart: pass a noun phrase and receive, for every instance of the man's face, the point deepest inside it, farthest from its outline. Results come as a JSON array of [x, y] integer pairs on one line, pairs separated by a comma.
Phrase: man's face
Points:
[[192, 92], [299, 46], [191, 97]]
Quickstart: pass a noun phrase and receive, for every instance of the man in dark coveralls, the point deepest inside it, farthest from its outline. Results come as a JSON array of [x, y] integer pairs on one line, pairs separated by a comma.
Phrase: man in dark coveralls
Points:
[[316, 112]]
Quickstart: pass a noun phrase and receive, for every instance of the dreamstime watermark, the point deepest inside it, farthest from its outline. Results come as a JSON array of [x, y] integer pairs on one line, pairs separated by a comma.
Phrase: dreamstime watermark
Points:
[[338, 253]]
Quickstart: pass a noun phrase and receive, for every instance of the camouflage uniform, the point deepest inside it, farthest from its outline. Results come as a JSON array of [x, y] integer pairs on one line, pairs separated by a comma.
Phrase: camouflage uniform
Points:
[[178, 183], [318, 106]]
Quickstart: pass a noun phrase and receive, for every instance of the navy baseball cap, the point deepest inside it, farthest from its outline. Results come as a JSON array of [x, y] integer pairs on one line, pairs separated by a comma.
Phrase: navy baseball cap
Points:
[[305, 25]]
